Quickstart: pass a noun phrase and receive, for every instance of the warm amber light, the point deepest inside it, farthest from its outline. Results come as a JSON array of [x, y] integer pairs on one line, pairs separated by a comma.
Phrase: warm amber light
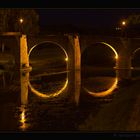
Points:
[[116, 57], [123, 23], [65, 84], [66, 59], [23, 117], [23, 120], [115, 52], [21, 20]]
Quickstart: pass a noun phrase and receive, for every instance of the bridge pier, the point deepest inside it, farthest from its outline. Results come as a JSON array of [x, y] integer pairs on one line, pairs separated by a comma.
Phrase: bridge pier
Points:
[[74, 39], [24, 75], [123, 66], [77, 76]]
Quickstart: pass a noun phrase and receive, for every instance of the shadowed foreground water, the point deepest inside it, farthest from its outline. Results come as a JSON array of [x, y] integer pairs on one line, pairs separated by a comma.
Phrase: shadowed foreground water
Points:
[[61, 113]]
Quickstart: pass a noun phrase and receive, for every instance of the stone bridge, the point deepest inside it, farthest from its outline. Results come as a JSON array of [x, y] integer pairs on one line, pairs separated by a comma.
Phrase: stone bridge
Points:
[[124, 47], [73, 46]]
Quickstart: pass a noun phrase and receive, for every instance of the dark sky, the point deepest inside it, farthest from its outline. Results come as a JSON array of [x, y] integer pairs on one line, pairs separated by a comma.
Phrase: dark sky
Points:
[[90, 17]]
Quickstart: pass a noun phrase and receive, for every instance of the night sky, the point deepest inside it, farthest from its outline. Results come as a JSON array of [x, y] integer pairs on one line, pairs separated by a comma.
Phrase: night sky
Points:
[[85, 17]]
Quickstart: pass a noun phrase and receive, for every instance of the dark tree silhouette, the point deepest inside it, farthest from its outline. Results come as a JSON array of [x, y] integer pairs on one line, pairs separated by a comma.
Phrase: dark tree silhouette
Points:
[[10, 20], [133, 25], [133, 19]]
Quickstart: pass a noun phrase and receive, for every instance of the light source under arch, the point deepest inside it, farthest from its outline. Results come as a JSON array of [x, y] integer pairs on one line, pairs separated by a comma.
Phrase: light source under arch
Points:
[[66, 82]]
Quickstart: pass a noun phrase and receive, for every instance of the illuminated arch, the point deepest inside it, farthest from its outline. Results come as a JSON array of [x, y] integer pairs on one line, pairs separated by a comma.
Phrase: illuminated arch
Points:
[[132, 58], [115, 52], [135, 52], [52, 43], [114, 85], [66, 82]]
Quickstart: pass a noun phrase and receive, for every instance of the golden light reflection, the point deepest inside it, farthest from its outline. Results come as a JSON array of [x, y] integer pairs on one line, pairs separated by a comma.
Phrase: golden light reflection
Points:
[[22, 117], [50, 95], [103, 93], [21, 20], [23, 120], [123, 23], [116, 57]]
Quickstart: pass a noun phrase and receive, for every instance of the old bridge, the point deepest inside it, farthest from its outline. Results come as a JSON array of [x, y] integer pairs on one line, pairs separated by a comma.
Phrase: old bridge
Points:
[[73, 46]]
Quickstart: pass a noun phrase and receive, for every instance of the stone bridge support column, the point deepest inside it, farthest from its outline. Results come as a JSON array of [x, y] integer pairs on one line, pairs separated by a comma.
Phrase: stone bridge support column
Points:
[[77, 54], [24, 69], [123, 67], [74, 39]]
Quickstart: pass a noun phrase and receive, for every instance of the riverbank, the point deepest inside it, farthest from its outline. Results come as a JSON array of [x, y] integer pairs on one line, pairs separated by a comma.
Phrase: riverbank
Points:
[[122, 114]]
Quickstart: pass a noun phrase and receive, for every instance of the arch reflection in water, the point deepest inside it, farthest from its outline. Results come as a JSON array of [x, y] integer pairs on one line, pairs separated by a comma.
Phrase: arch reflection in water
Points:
[[103, 93], [77, 87], [40, 94]]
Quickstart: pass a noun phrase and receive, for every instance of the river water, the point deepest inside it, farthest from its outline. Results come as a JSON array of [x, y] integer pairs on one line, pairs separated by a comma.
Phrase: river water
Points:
[[69, 99], [54, 98]]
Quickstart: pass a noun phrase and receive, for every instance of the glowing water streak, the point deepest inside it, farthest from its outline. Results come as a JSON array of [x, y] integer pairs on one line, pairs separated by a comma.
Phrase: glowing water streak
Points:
[[103, 93], [23, 119]]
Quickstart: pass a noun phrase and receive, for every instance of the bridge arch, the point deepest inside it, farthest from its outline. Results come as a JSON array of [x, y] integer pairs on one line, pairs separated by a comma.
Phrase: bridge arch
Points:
[[40, 94], [104, 93], [133, 57], [115, 81], [134, 52], [106, 44], [111, 47], [66, 54], [62, 41]]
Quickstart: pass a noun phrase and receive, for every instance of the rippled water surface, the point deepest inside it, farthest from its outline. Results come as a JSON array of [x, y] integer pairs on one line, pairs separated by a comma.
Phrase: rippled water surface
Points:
[[52, 97], [63, 112]]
